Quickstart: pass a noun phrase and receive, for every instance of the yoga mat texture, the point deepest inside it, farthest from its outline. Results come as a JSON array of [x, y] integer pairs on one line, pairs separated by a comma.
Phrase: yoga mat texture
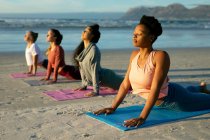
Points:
[[156, 116], [70, 94], [22, 75], [35, 82]]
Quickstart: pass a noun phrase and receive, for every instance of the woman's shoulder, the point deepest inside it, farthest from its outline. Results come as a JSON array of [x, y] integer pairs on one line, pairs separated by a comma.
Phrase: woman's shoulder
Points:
[[35, 45], [161, 56], [161, 53], [94, 48], [59, 47]]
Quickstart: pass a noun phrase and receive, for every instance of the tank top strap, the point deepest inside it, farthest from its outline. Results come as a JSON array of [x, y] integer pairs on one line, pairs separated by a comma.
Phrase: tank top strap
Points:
[[135, 59], [151, 58]]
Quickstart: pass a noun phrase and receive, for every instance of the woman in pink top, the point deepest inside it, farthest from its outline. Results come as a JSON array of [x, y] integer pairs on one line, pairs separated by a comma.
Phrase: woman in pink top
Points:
[[147, 75], [56, 60]]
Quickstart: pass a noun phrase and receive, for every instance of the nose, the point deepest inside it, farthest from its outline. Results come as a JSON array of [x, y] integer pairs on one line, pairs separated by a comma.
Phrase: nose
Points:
[[134, 36]]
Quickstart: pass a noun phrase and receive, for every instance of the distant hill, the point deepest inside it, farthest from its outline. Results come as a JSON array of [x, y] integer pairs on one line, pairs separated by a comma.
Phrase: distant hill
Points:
[[173, 11]]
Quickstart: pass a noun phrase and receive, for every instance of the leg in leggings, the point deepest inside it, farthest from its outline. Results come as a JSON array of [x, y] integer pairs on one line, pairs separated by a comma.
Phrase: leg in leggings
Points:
[[193, 88], [45, 63], [110, 79], [183, 99], [201, 88], [70, 72]]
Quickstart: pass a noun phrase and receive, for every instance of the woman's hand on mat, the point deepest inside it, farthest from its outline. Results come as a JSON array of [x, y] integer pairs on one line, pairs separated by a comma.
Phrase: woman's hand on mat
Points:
[[105, 111], [32, 74], [27, 73], [51, 82], [44, 79], [135, 122], [80, 88]]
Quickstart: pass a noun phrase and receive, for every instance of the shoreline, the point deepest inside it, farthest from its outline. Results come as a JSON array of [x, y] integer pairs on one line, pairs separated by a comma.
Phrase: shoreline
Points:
[[25, 113], [117, 49]]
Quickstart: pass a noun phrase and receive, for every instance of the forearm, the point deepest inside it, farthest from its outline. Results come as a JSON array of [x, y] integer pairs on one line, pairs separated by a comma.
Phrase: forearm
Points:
[[56, 68], [83, 83], [95, 80], [30, 68], [49, 71], [120, 96], [35, 62], [149, 105], [55, 72]]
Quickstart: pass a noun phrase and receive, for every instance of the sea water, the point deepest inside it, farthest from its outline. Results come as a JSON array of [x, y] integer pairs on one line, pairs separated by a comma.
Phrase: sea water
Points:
[[115, 33]]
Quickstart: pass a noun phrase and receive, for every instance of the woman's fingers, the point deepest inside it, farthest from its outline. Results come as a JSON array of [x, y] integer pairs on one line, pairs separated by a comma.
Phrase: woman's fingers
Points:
[[101, 111], [105, 111], [134, 122]]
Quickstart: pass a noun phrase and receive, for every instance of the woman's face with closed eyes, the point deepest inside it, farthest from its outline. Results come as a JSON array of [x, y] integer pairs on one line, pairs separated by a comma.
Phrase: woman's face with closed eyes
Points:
[[50, 36], [141, 36], [86, 34]]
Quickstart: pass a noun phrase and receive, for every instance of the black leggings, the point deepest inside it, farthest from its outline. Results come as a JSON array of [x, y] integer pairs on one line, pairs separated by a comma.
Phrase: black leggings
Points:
[[45, 63], [70, 72]]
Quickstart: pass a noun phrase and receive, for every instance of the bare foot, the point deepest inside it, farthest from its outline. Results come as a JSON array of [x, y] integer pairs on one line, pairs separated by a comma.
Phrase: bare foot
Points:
[[203, 88]]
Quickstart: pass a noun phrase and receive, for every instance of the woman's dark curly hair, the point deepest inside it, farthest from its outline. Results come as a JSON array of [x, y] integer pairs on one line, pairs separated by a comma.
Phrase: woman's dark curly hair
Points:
[[152, 24]]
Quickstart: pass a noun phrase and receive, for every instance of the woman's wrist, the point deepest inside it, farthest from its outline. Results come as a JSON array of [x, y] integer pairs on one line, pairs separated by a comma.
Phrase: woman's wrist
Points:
[[83, 87], [142, 118], [46, 78], [114, 108], [95, 93]]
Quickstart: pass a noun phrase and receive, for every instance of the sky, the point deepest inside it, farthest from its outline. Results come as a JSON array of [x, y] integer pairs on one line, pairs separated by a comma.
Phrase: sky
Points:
[[66, 6]]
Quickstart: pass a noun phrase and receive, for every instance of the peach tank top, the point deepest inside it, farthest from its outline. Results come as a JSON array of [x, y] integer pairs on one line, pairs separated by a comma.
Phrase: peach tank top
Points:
[[141, 78]]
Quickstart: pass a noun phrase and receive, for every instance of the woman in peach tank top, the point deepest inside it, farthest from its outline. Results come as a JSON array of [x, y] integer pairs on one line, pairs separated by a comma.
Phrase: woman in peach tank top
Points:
[[147, 75], [141, 77]]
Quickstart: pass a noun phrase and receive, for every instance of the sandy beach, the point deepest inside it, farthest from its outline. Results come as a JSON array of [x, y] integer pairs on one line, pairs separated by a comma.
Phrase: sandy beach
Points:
[[27, 114]]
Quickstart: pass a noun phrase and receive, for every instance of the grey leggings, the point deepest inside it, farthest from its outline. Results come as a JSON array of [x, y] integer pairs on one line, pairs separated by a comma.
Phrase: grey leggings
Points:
[[185, 99], [110, 79]]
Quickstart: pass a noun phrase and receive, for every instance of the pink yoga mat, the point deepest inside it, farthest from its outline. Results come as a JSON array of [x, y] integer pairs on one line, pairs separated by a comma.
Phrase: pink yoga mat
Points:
[[69, 94], [22, 75]]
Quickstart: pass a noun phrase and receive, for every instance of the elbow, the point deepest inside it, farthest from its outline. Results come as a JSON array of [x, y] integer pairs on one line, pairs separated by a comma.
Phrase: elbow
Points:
[[125, 86]]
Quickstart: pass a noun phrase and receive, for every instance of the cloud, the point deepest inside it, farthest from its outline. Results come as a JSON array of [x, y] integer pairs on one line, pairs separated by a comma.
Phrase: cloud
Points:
[[59, 6], [34, 6]]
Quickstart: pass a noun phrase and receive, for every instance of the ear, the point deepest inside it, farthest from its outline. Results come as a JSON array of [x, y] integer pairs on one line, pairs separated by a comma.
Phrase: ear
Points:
[[91, 36], [152, 38]]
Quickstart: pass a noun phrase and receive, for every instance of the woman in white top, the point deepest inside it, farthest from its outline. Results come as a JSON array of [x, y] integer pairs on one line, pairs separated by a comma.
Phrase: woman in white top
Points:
[[33, 54]]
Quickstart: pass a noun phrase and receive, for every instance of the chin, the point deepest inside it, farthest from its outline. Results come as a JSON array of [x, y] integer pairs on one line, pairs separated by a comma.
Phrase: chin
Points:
[[135, 46]]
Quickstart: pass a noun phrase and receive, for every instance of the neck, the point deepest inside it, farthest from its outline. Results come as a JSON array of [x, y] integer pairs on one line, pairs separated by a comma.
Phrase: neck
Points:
[[86, 43], [29, 43], [145, 52], [53, 45]]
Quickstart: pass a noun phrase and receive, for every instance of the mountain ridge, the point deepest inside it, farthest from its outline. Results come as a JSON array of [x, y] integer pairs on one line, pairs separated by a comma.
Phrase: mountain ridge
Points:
[[173, 11]]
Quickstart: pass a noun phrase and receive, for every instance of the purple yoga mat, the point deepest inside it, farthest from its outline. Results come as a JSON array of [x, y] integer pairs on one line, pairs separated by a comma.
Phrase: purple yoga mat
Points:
[[69, 94], [22, 75]]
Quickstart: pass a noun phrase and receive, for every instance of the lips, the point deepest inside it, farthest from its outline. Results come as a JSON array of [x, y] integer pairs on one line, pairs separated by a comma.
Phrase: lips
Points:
[[134, 41]]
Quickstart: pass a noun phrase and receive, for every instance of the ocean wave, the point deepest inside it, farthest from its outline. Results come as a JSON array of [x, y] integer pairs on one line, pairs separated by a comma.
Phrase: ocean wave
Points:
[[104, 23]]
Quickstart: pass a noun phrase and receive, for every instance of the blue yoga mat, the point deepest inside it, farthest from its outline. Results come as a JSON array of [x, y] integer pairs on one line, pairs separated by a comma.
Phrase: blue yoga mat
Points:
[[156, 116]]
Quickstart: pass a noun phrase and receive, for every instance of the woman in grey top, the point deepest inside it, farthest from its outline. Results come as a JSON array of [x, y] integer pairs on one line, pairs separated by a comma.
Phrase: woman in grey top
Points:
[[87, 56]]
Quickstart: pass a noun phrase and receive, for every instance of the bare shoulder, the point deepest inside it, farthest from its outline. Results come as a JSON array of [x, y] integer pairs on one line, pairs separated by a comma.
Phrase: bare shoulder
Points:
[[161, 55], [161, 58]]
